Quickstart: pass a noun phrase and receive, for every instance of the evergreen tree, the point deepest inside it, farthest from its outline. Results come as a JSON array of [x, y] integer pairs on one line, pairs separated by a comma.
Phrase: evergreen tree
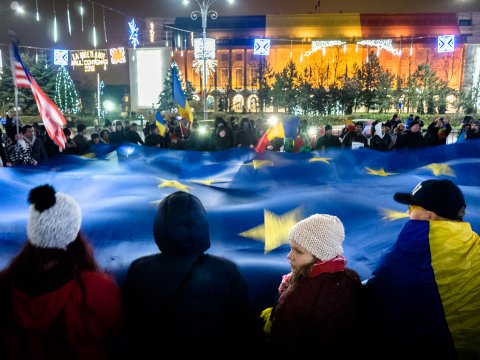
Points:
[[285, 88], [385, 99], [369, 76], [265, 75], [165, 99], [429, 86], [66, 96]]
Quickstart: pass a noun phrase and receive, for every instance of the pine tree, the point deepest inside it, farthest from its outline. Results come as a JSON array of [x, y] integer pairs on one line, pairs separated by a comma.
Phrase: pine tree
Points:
[[165, 99], [66, 96]]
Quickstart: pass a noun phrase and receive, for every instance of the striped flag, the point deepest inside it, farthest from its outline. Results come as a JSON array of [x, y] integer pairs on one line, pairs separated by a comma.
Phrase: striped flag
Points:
[[49, 113]]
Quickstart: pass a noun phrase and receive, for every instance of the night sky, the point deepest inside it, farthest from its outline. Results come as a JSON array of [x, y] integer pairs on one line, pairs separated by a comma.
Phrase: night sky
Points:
[[118, 12]]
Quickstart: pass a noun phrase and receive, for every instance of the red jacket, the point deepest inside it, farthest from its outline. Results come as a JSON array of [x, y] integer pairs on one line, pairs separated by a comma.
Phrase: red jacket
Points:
[[77, 321]]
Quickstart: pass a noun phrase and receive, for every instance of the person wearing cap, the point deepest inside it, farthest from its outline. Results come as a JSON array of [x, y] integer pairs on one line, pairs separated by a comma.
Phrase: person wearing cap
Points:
[[319, 301], [182, 302], [328, 140], [424, 296], [55, 302], [413, 137]]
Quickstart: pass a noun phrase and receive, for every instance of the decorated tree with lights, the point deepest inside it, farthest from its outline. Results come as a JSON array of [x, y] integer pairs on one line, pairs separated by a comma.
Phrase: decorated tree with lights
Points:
[[165, 99], [66, 96]]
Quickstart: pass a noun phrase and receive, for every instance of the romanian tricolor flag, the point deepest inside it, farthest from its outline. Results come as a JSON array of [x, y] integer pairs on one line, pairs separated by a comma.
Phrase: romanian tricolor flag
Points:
[[425, 294], [284, 128], [180, 98], [161, 124]]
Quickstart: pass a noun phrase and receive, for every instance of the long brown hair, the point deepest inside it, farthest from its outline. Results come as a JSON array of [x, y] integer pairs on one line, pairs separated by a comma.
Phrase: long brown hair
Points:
[[301, 272]]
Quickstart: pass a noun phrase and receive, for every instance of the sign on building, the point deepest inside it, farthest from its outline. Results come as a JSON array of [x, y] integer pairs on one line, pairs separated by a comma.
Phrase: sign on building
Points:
[[446, 43], [60, 57], [261, 47]]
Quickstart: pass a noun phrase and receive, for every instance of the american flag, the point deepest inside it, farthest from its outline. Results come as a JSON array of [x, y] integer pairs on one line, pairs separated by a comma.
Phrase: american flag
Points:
[[49, 113]]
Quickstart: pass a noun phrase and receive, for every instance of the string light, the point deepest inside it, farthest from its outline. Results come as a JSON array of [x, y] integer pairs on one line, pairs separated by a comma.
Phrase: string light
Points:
[[400, 47], [66, 96], [344, 48], [322, 45], [356, 48], [411, 47], [37, 13], [68, 18], [54, 24], [368, 53], [133, 30], [104, 25], [81, 12], [152, 32], [94, 30], [166, 38], [291, 49], [385, 44], [211, 64]]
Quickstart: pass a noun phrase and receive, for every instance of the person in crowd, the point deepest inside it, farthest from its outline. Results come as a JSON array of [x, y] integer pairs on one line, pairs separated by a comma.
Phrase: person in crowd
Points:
[[246, 134], [222, 137], [320, 300], [196, 141], [38, 152], [355, 137], [301, 143], [104, 136], [464, 132], [328, 141], [424, 296], [3, 155], [438, 132], [55, 303], [413, 138], [81, 140], [380, 139], [474, 131], [118, 136], [70, 145], [94, 139], [132, 135], [108, 125], [408, 121], [154, 138], [182, 301], [11, 125], [18, 151], [394, 121]]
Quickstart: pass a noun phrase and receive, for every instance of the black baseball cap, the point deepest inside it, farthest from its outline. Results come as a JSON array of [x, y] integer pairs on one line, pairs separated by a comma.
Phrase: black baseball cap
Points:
[[442, 197]]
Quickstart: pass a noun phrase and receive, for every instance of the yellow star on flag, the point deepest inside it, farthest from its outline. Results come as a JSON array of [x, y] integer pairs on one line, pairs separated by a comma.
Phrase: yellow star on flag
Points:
[[174, 184], [257, 164], [275, 229], [440, 169], [321, 159], [379, 172], [393, 214]]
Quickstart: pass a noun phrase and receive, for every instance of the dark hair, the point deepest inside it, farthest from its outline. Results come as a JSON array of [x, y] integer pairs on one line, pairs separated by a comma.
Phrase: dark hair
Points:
[[94, 136], [67, 131], [25, 128]]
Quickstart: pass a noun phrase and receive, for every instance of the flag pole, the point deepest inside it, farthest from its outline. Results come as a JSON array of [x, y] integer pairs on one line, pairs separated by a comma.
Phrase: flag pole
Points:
[[16, 109]]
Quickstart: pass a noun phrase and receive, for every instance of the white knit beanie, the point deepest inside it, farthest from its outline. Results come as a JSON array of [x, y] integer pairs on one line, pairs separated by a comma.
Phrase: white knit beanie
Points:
[[54, 218], [320, 234]]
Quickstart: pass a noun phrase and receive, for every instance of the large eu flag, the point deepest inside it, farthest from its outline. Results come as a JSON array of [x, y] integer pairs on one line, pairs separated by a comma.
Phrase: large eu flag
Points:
[[251, 199]]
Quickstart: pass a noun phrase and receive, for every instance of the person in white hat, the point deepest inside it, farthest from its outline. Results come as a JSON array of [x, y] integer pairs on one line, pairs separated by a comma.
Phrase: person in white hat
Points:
[[319, 303], [55, 303]]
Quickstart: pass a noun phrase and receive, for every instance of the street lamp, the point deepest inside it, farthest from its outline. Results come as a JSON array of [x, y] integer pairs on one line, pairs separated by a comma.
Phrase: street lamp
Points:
[[204, 12]]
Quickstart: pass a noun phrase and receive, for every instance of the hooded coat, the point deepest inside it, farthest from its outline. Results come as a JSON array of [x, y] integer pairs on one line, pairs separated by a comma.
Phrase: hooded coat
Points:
[[210, 315]]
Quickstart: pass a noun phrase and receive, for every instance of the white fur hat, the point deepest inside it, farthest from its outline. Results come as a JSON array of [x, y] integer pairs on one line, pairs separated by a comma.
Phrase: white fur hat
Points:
[[54, 218], [320, 234]]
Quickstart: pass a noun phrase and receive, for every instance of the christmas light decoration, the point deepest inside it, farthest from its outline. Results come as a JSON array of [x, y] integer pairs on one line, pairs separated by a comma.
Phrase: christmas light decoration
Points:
[[322, 45], [385, 44], [66, 96], [261, 47], [211, 64], [104, 25], [446, 43], [117, 56], [133, 33], [60, 57], [209, 48], [55, 37], [94, 30], [89, 59], [81, 12], [152, 32], [68, 18], [411, 47], [37, 16]]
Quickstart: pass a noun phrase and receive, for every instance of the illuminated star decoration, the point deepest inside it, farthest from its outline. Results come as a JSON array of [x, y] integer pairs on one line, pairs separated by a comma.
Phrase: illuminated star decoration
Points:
[[440, 169], [208, 182], [257, 164], [173, 184], [320, 159], [380, 172], [133, 33], [275, 229], [393, 214], [211, 64]]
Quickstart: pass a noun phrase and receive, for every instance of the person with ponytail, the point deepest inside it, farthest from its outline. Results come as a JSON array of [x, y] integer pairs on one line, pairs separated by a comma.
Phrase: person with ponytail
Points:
[[55, 302]]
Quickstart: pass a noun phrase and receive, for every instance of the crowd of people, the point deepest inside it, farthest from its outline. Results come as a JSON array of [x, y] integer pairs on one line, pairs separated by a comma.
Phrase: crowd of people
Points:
[[31, 145], [55, 301]]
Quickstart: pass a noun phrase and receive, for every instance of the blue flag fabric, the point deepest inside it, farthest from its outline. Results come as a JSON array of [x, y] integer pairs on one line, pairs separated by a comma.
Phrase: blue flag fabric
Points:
[[250, 199], [178, 94]]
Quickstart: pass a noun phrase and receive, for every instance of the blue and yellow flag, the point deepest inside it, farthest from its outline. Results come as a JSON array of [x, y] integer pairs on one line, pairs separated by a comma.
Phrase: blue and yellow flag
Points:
[[161, 124], [180, 98]]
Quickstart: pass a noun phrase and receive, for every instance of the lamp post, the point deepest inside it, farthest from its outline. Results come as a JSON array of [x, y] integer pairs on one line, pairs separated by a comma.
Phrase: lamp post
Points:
[[204, 12]]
